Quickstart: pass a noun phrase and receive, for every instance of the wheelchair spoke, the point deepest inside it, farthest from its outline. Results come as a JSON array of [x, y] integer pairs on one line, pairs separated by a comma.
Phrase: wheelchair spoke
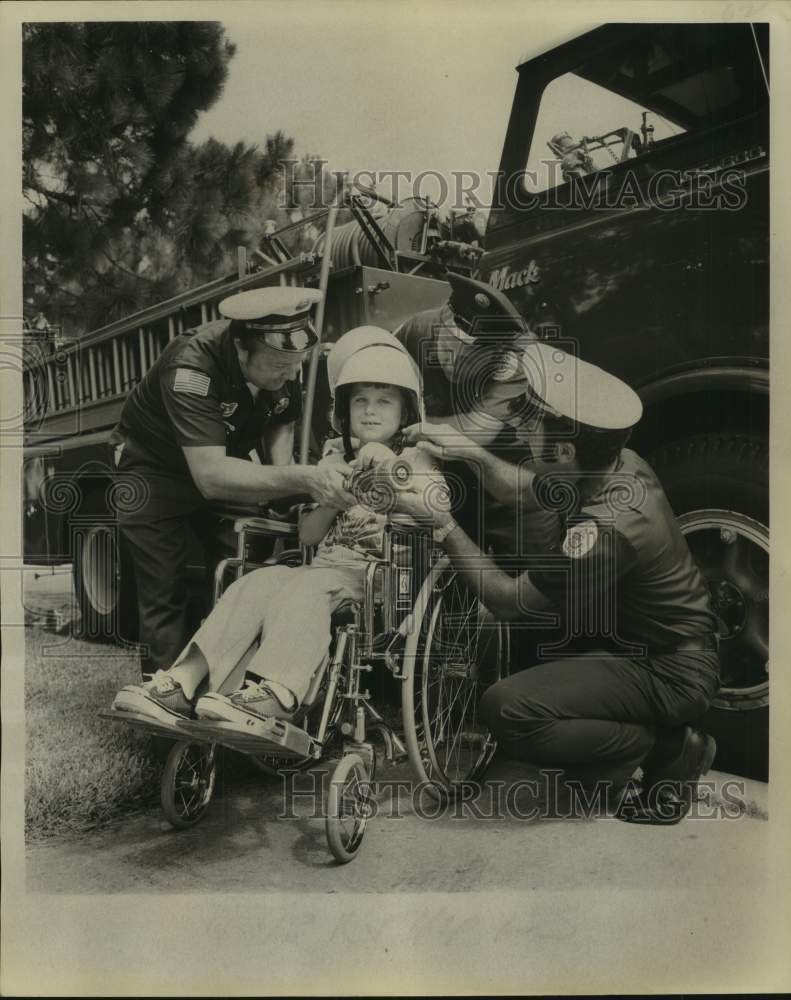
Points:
[[448, 711], [456, 653], [186, 803], [461, 617], [444, 710], [450, 728], [187, 783], [456, 743]]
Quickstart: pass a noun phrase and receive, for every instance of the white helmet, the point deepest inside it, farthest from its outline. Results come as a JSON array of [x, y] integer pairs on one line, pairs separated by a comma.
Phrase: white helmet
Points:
[[353, 341], [382, 363]]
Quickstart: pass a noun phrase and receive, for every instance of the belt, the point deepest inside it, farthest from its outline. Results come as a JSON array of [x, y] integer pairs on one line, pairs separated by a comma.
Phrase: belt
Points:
[[708, 643]]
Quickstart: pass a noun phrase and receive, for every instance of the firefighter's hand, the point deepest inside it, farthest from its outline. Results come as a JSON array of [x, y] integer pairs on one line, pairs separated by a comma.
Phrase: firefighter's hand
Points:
[[429, 503], [371, 454], [328, 485], [440, 440]]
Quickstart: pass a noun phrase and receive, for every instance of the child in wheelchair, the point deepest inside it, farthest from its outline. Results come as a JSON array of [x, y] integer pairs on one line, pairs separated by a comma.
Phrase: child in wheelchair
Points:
[[258, 652]]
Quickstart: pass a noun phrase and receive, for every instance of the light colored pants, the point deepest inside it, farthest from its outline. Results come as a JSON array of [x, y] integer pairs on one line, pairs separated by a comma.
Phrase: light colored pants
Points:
[[273, 622]]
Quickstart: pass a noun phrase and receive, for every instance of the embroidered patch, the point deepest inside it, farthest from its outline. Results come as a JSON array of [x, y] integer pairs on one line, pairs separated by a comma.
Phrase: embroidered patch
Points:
[[281, 404], [190, 381], [580, 539], [228, 409]]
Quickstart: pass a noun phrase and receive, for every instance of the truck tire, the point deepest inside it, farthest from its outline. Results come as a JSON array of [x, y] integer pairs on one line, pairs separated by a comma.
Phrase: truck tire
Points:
[[104, 578], [718, 486]]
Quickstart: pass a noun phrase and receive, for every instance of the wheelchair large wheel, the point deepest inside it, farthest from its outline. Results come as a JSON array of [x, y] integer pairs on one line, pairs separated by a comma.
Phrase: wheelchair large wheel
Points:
[[188, 783], [454, 651], [348, 807]]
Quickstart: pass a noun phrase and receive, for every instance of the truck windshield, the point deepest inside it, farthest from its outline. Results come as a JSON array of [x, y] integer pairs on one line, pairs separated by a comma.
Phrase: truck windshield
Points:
[[639, 95]]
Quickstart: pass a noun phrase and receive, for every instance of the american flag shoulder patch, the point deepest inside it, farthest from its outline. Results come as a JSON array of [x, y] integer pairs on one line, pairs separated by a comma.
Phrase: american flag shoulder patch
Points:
[[190, 381]]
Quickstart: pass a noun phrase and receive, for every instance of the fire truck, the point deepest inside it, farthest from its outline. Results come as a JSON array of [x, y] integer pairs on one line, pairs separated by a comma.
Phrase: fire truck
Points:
[[629, 219]]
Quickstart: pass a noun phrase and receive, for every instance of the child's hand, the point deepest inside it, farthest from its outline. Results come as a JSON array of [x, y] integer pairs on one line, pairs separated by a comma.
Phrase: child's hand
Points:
[[371, 454]]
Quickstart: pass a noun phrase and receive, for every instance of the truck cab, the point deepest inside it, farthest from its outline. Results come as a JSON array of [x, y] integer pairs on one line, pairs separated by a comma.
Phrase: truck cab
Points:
[[630, 223]]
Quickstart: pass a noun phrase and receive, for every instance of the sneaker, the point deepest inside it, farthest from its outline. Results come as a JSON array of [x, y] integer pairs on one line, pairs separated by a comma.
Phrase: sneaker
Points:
[[161, 692], [254, 698]]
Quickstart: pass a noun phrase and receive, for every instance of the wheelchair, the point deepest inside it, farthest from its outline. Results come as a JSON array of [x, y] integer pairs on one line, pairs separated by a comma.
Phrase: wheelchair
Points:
[[418, 621]]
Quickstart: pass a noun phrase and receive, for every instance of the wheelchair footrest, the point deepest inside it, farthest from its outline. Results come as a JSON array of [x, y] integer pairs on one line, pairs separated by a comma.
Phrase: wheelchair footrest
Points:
[[257, 736], [147, 723]]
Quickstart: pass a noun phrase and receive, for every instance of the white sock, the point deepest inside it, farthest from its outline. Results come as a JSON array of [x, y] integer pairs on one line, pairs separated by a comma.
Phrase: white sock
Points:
[[190, 671]]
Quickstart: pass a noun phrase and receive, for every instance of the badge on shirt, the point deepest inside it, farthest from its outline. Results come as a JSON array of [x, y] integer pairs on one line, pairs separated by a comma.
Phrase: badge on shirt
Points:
[[281, 404], [580, 539], [191, 382], [228, 409]]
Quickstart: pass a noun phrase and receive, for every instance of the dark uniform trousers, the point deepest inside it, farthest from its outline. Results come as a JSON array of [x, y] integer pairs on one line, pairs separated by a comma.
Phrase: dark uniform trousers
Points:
[[596, 707], [596, 715], [158, 539]]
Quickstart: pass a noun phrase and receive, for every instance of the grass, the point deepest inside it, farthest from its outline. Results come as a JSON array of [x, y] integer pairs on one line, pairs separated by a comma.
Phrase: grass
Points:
[[81, 771]]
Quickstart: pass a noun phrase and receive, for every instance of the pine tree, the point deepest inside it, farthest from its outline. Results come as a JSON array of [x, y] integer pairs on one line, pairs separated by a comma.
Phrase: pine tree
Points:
[[107, 108]]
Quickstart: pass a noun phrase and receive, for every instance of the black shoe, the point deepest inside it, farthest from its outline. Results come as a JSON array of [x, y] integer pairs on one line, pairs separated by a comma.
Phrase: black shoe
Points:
[[670, 785]]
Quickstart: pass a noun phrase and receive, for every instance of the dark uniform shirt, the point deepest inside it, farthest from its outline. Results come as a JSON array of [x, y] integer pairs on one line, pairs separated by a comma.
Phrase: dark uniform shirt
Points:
[[487, 520], [624, 571], [195, 395]]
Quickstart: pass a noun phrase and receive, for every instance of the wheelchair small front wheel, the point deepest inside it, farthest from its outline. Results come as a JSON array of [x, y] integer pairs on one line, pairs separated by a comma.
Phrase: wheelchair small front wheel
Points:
[[188, 783], [348, 807]]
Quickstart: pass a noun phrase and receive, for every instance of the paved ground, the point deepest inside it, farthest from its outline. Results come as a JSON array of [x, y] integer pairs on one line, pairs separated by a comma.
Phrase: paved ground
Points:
[[456, 905], [250, 903], [255, 837]]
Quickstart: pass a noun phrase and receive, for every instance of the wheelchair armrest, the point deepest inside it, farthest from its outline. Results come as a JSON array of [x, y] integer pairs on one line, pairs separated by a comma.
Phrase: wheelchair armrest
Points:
[[265, 526], [293, 513], [285, 526], [282, 509], [229, 511], [262, 520]]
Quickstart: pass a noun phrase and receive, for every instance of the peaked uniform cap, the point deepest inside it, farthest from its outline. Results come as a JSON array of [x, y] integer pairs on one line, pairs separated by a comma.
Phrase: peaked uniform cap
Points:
[[578, 390], [279, 316]]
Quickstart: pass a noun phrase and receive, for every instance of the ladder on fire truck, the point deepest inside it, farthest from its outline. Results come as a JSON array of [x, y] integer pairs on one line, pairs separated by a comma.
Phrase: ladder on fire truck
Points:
[[62, 379], [111, 360]]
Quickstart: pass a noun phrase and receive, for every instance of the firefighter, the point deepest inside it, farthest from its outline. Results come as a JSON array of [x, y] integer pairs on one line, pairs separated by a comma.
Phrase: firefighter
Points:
[[212, 421], [461, 347], [270, 631], [468, 353], [598, 708]]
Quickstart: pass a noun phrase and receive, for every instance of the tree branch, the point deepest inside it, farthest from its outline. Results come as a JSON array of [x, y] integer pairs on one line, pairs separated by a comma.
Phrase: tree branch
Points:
[[122, 267], [68, 199]]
